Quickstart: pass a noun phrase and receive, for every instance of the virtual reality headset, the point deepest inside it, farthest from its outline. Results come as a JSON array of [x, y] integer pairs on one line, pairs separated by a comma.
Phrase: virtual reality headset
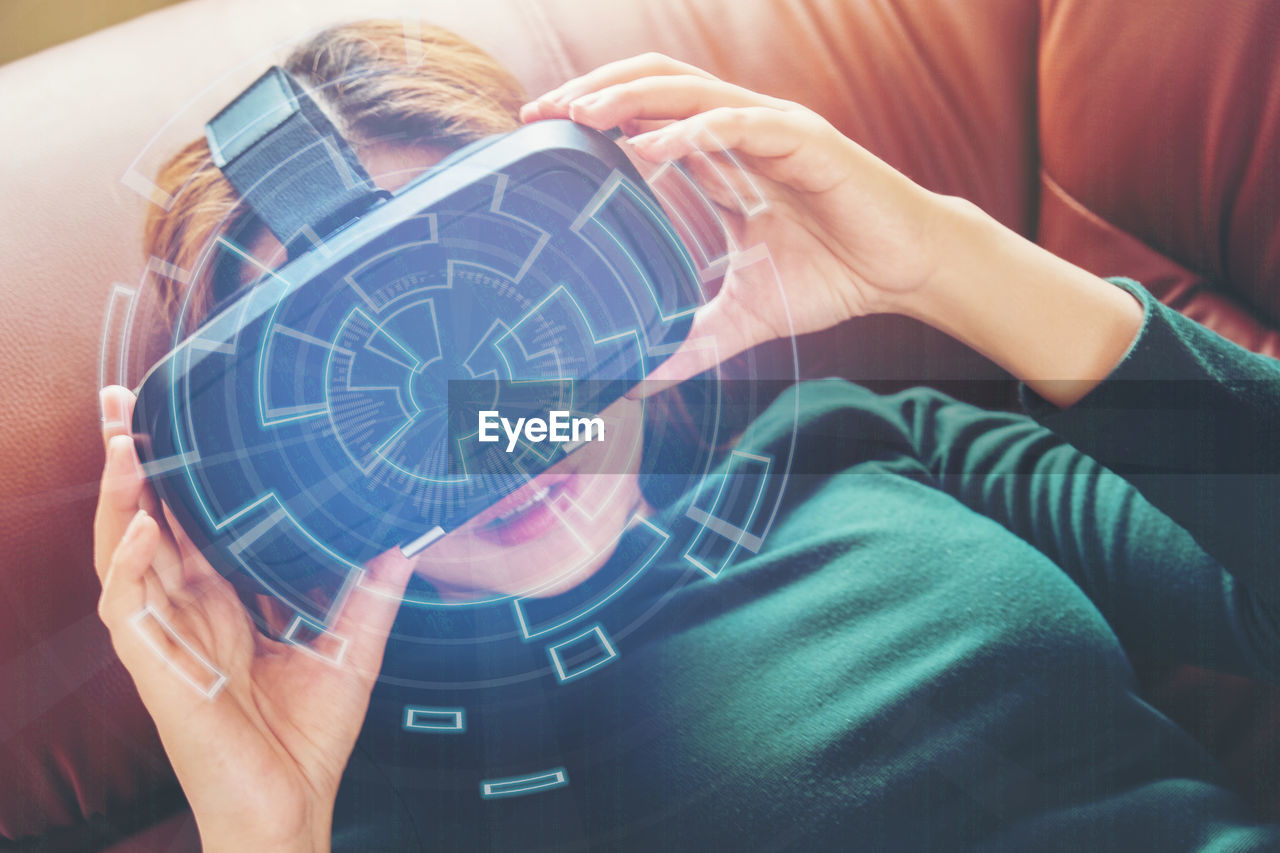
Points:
[[330, 410]]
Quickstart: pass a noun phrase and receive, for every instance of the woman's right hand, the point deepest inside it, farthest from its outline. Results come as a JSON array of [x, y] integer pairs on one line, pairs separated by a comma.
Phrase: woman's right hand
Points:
[[259, 756], [847, 234]]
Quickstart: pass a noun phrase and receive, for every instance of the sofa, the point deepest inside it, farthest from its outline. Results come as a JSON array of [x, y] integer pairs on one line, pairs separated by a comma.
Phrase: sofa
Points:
[[1131, 138]]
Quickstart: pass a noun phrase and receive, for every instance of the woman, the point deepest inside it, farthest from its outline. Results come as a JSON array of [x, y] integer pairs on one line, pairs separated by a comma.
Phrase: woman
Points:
[[929, 651]]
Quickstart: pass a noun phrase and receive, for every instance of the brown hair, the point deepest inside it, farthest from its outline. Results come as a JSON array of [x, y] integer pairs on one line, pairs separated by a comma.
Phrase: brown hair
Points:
[[379, 80]]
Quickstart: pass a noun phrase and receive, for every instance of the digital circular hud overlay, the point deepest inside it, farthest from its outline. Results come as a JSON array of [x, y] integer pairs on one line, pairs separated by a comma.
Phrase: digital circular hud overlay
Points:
[[349, 426]]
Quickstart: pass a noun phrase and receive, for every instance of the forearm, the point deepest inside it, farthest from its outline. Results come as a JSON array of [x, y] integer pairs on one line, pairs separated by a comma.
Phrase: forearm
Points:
[[1053, 325]]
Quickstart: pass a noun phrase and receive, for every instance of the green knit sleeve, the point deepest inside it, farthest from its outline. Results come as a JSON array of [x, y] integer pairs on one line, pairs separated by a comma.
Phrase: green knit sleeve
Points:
[[1162, 593], [1193, 421]]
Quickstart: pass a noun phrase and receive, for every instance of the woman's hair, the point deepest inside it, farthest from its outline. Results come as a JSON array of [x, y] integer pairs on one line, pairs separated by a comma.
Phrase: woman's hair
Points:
[[378, 80]]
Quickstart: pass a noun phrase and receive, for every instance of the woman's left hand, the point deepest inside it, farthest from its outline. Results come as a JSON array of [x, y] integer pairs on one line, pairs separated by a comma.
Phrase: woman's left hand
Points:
[[258, 730]]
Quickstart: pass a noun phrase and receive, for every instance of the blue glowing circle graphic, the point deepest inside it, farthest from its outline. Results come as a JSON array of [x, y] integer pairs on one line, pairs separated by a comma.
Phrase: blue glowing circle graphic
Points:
[[348, 386]]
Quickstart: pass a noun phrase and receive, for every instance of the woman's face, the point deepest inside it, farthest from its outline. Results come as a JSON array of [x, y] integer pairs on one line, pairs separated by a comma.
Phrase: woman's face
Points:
[[560, 527]]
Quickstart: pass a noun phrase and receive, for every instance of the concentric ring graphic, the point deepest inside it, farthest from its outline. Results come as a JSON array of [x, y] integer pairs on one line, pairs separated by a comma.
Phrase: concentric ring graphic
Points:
[[336, 436]]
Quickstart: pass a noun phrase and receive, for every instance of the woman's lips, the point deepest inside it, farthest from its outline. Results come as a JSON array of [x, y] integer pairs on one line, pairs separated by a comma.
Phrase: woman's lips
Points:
[[525, 514]]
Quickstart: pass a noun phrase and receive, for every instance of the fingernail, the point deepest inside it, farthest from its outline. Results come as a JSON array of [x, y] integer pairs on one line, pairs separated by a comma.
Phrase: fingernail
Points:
[[119, 448], [115, 447]]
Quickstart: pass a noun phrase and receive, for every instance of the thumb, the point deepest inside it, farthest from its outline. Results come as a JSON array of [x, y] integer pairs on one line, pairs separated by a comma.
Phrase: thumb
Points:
[[370, 609]]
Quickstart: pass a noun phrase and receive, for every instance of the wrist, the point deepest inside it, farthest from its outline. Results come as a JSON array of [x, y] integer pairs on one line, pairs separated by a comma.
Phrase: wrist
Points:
[[239, 841], [958, 238], [1050, 323], [312, 835]]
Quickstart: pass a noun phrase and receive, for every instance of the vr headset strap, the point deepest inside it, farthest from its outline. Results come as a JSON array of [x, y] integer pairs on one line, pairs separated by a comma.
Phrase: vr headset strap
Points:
[[287, 160]]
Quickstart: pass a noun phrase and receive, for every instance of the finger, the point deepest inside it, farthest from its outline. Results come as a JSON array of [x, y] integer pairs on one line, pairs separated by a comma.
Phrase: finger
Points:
[[796, 148], [555, 103], [613, 73], [124, 584], [193, 563], [116, 404], [140, 617], [637, 126], [170, 562], [123, 492], [366, 616], [121, 489], [118, 499], [122, 482], [671, 97], [752, 131]]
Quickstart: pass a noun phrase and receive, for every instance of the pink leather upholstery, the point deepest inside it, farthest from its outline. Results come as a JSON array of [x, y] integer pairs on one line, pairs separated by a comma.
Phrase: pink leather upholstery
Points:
[[1128, 139]]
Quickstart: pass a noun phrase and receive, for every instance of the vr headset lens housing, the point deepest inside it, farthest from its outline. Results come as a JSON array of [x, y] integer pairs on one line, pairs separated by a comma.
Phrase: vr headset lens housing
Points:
[[329, 412]]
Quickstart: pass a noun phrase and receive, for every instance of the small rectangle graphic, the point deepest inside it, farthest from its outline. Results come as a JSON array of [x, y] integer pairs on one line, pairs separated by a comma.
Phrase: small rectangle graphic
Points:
[[316, 639], [581, 654], [727, 524], [179, 654], [518, 786], [435, 720]]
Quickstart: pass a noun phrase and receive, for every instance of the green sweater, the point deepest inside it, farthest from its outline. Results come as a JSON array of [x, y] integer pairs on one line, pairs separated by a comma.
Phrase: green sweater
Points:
[[930, 651]]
